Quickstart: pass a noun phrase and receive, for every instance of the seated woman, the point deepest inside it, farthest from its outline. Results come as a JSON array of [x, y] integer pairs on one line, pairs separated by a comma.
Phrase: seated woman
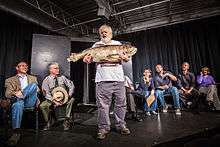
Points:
[[146, 89], [207, 86]]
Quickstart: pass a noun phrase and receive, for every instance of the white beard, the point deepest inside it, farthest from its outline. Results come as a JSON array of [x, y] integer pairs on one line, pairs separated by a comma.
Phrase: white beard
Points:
[[106, 39]]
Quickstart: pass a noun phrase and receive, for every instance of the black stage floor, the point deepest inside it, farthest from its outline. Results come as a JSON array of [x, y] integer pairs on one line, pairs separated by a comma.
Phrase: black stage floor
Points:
[[166, 129]]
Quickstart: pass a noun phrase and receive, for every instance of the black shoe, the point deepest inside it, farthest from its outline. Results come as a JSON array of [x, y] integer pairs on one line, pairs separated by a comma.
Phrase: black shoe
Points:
[[211, 106], [137, 118]]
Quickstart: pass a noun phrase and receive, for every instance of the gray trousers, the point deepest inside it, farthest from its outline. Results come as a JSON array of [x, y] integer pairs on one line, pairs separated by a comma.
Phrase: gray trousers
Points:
[[104, 93], [130, 101], [211, 95]]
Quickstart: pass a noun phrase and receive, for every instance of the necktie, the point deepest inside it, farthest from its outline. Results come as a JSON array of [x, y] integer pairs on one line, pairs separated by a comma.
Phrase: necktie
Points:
[[56, 82]]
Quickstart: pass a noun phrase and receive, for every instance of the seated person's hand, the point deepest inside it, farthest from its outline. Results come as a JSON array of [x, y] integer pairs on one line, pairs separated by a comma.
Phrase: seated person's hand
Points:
[[188, 92], [152, 92], [56, 104], [201, 73], [124, 56], [19, 94], [166, 75], [87, 59], [165, 87]]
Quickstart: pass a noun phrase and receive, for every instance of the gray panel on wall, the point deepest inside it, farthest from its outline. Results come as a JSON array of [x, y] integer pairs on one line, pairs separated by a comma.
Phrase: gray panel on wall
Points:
[[47, 49], [127, 67]]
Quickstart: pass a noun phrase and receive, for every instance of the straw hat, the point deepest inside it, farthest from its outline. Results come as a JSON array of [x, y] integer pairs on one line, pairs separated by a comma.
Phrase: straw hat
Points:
[[60, 94]]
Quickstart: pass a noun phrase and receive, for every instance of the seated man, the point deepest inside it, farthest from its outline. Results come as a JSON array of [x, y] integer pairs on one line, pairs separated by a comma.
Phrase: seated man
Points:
[[163, 85], [52, 81], [131, 106], [146, 89], [207, 86], [186, 82], [21, 89]]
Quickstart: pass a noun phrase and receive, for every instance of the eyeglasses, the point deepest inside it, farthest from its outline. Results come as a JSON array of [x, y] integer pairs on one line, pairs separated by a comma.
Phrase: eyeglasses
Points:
[[23, 65]]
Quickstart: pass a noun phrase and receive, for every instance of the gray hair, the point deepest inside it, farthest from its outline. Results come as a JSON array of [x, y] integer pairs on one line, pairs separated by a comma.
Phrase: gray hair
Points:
[[186, 63], [53, 63]]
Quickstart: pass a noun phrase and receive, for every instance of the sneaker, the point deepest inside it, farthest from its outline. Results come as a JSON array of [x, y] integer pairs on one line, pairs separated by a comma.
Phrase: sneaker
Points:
[[125, 131], [13, 140], [189, 103], [148, 114], [154, 113], [178, 112], [165, 109], [47, 126]]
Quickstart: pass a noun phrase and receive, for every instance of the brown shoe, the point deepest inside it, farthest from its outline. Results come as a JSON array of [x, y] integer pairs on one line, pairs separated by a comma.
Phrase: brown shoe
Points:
[[124, 131], [13, 140], [67, 124], [102, 135]]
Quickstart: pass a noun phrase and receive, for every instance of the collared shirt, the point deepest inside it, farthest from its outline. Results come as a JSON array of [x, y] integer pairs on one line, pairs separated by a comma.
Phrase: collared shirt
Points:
[[49, 84], [109, 73], [161, 81], [186, 80], [23, 81], [205, 81], [146, 87]]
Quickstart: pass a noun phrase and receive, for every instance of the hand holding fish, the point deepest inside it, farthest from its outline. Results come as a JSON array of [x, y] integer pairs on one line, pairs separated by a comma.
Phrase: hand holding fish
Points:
[[87, 58], [124, 56]]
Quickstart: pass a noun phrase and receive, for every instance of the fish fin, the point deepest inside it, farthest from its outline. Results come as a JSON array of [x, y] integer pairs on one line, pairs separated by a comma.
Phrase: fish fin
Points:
[[114, 56]]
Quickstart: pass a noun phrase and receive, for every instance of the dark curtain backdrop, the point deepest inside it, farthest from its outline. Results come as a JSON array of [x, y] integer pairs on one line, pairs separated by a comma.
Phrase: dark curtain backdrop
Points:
[[15, 42], [197, 42], [77, 70]]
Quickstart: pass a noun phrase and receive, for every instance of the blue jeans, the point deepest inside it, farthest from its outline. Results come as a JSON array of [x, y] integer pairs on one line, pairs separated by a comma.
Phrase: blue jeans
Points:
[[173, 91], [153, 106], [29, 100]]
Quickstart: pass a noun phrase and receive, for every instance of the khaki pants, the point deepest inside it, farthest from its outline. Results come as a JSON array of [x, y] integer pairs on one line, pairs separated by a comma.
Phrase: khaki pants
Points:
[[45, 108]]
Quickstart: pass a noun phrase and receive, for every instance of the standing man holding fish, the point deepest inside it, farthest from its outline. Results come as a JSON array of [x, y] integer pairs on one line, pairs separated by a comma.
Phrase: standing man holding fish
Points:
[[109, 82]]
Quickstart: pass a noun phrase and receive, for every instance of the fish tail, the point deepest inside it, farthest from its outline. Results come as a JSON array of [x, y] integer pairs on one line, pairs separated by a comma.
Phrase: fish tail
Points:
[[74, 57]]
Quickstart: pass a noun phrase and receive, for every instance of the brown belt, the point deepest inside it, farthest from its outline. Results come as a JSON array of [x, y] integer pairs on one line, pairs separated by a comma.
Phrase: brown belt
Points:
[[109, 64]]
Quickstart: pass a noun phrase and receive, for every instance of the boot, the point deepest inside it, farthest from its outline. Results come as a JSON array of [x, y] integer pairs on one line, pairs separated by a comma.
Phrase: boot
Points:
[[211, 106]]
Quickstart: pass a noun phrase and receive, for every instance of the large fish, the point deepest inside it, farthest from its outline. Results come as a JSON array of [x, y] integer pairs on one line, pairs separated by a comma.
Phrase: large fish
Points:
[[105, 53]]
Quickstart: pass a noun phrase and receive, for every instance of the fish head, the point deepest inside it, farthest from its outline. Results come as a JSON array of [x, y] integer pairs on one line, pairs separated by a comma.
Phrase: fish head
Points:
[[129, 49]]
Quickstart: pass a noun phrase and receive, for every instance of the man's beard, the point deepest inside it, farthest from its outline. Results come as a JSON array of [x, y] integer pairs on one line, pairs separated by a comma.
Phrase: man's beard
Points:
[[106, 39]]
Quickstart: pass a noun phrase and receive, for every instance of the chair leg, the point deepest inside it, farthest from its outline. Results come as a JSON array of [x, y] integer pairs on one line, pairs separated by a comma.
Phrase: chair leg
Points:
[[37, 125]]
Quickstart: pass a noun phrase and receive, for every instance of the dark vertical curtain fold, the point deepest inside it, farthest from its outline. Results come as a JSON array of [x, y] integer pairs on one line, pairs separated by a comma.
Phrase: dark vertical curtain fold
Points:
[[197, 42], [15, 43]]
